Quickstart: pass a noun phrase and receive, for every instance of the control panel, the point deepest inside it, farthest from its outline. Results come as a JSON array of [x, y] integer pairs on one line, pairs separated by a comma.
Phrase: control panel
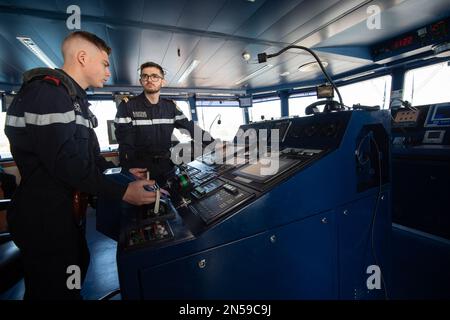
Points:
[[406, 118], [211, 188], [424, 126]]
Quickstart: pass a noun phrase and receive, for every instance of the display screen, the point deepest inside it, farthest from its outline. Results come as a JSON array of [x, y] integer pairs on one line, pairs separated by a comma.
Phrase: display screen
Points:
[[263, 171], [442, 113], [434, 134], [325, 91], [438, 115]]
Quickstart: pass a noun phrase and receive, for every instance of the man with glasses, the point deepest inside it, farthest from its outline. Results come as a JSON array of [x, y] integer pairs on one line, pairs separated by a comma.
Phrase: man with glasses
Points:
[[144, 126]]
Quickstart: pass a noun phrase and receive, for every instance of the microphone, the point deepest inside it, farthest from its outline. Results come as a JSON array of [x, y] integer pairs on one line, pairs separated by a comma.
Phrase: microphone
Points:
[[262, 57]]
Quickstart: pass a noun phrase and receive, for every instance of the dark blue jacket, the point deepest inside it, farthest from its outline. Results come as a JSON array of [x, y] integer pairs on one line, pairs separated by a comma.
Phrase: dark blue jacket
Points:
[[56, 151], [144, 130]]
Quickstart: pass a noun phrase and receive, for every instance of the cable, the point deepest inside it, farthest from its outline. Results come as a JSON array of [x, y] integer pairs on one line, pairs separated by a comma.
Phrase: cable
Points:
[[358, 149], [404, 103], [374, 215], [111, 294], [220, 117], [262, 57]]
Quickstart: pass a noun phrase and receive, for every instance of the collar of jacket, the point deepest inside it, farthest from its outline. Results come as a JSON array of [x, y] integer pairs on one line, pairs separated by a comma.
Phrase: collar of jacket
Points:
[[80, 92], [145, 101]]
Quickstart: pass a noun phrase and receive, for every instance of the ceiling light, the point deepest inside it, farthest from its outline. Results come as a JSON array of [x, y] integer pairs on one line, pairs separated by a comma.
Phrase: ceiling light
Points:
[[188, 71], [254, 74], [33, 47], [246, 55], [312, 66]]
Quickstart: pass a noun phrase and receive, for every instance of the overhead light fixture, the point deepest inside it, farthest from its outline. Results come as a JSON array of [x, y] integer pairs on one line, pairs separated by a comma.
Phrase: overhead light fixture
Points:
[[312, 66], [33, 47], [254, 74], [246, 55], [188, 71]]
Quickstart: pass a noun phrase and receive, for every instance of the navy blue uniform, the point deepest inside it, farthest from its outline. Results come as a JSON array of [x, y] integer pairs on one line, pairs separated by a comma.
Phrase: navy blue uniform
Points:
[[144, 131], [56, 151]]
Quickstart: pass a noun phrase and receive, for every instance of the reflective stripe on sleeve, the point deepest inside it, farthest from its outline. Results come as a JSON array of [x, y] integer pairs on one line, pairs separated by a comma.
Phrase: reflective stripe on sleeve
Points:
[[46, 119], [123, 120], [152, 122]]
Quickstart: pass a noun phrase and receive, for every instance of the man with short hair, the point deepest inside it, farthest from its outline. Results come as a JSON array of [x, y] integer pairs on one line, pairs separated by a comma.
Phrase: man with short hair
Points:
[[144, 126], [50, 130]]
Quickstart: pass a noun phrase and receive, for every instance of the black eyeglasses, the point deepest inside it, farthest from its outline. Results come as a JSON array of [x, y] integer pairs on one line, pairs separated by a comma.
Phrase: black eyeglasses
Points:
[[153, 77]]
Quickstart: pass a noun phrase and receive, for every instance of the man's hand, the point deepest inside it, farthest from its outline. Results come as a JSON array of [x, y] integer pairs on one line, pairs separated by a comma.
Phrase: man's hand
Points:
[[139, 173], [137, 195]]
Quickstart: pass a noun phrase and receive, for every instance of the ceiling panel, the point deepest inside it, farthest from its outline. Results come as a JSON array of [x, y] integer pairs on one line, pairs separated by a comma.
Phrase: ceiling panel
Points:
[[87, 7], [154, 45], [268, 14], [393, 23], [15, 53], [39, 5], [175, 64], [198, 14], [233, 14], [203, 52], [215, 32], [133, 10], [298, 16], [164, 12], [125, 53]]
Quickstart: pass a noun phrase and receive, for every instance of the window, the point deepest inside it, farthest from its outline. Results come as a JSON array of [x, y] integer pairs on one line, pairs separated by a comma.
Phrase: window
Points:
[[104, 110], [269, 109], [373, 92], [5, 153], [184, 106], [427, 84], [231, 118], [298, 103]]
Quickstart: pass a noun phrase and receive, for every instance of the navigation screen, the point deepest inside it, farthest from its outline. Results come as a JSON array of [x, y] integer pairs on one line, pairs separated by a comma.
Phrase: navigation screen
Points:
[[263, 171]]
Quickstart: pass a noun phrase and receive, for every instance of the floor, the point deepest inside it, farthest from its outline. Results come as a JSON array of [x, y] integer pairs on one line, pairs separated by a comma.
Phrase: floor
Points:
[[420, 266], [101, 278]]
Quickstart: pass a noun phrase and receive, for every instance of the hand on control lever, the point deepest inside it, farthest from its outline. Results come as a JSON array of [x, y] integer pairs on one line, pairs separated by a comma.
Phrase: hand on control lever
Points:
[[138, 173], [155, 187], [137, 193]]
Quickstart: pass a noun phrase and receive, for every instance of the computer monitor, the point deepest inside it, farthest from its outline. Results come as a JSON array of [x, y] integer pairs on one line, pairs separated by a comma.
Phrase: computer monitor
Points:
[[245, 102]]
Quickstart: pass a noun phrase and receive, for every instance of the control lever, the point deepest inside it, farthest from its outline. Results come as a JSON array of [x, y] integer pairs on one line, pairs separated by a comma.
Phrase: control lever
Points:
[[231, 189], [158, 198]]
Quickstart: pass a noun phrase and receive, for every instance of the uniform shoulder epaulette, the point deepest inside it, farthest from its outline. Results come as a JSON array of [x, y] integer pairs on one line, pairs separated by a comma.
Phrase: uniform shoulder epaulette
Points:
[[53, 80]]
